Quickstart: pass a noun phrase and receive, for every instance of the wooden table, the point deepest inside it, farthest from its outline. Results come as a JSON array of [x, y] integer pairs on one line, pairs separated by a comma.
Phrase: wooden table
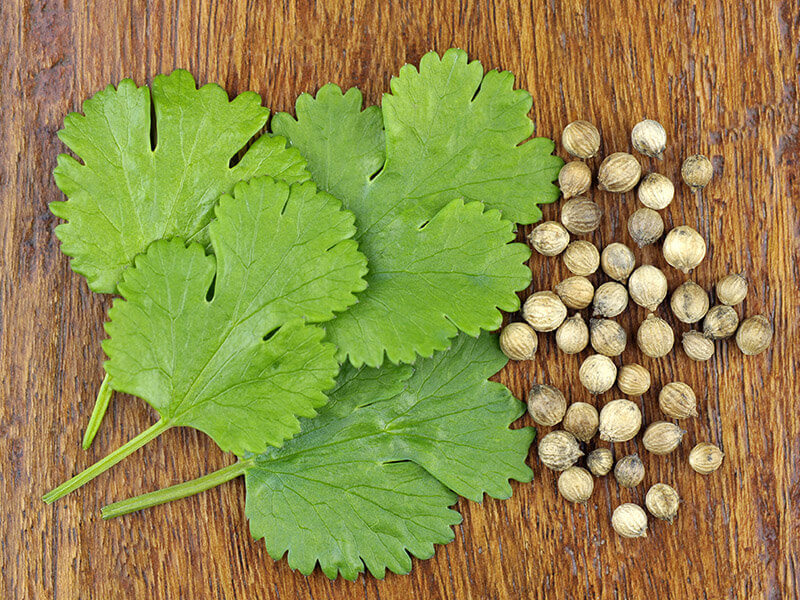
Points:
[[723, 79]]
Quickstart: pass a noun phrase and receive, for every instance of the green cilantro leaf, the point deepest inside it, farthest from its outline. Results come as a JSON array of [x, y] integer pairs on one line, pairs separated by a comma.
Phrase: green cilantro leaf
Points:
[[370, 480], [126, 194], [453, 147], [219, 342]]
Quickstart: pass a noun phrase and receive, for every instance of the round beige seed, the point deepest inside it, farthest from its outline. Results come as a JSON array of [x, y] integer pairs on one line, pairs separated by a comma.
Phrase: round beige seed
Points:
[[720, 322], [581, 215], [662, 437], [574, 179], [544, 311], [731, 290], [655, 191], [677, 400], [648, 286], [684, 248], [546, 404], [549, 238], [559, 450], [619, 172], [629, 471], [697, 346], [518, 341], [649, 138], [610, 299], [597, 373], [581, 257], [705, 458], [607, 337], [655, 337], [581, 139], [689, 302], [575, 292], [572, 336], [754, 335], [633, 379], [600, 461], [629, 521], [697, 171], [581, 420], [620, 421], [576, 484], [662, 501], [617, 261], [645, 226]]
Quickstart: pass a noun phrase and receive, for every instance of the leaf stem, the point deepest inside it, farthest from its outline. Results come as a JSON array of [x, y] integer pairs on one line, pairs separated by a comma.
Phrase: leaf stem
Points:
[[109, 461], [100, 407], [176, 492]]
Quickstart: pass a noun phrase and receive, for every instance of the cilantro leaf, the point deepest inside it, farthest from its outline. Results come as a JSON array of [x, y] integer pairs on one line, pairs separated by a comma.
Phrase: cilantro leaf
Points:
[[370, 480], [452, 147], [126, 194], [219, 342]]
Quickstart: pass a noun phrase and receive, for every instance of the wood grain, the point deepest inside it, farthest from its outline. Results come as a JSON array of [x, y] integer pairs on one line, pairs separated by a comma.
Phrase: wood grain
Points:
[[723, 79]]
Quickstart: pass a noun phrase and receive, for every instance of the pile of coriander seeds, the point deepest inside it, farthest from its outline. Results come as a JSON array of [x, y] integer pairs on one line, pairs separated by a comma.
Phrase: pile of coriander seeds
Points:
[[621, 420]]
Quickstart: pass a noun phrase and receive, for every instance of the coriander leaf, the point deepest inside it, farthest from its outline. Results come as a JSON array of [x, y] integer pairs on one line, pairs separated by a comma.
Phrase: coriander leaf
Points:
[[126, 194], [370, 480], [220, 343], [453, 148]]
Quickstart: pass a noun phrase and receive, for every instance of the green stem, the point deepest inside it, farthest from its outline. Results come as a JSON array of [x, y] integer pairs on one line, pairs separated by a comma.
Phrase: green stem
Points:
[[109, 461], [99, 411], [176, 492]]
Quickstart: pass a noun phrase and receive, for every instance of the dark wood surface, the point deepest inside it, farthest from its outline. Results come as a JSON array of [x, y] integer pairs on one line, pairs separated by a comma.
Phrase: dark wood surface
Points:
[[723, 79]]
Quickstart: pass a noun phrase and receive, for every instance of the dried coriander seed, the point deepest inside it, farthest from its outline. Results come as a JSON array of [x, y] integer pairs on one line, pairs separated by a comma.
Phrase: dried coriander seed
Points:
[[649, 138], [581, 139], [647, 286], [629, 520], [731, 290], [600, 461], [581, 420], [574, 179], [546, 404], [720, 322], [705, 458], [684, 248], [662, 501], [572, 336], [607, 337], [581, 215], [619, 172], [597, 373], [689, 302], [629, 471], [610, 299], [656, 191], [617, 261], [559, 450], [581, 257], [518, 341], [620, 421], [576, 484], [575, 292], [697, 346], [655, 337], [677, 400], [544, 311], [662, 437], [754, 335], [633, 379], [645, 226], [549, 238], [697, 171]]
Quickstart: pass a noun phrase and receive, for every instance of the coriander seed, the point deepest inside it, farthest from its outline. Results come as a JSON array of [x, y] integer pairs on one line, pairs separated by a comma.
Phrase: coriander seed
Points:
[[705, 458], [619, 172], [575, 484], [546, 404], [581, 257], [645, 226], [677, 400], [581, 139], [620, 421], [581, 421], [574, 179], [633, 379], [720, 322], [518, 341], [697, 346], [610, 299], [597, 373], [581, 215], [649, 138], [655, 337], [572, 336], [607, 337], [600, 461], [754, 335], [575, 292], [689, 302], [731, 290], [684, 248], [662, 501], [544, 311], [617, 261], [629, 520], [549, 238], [648, 286], [697, 171], [629, 471], [656, 191], [559, 450], [662, 437]]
